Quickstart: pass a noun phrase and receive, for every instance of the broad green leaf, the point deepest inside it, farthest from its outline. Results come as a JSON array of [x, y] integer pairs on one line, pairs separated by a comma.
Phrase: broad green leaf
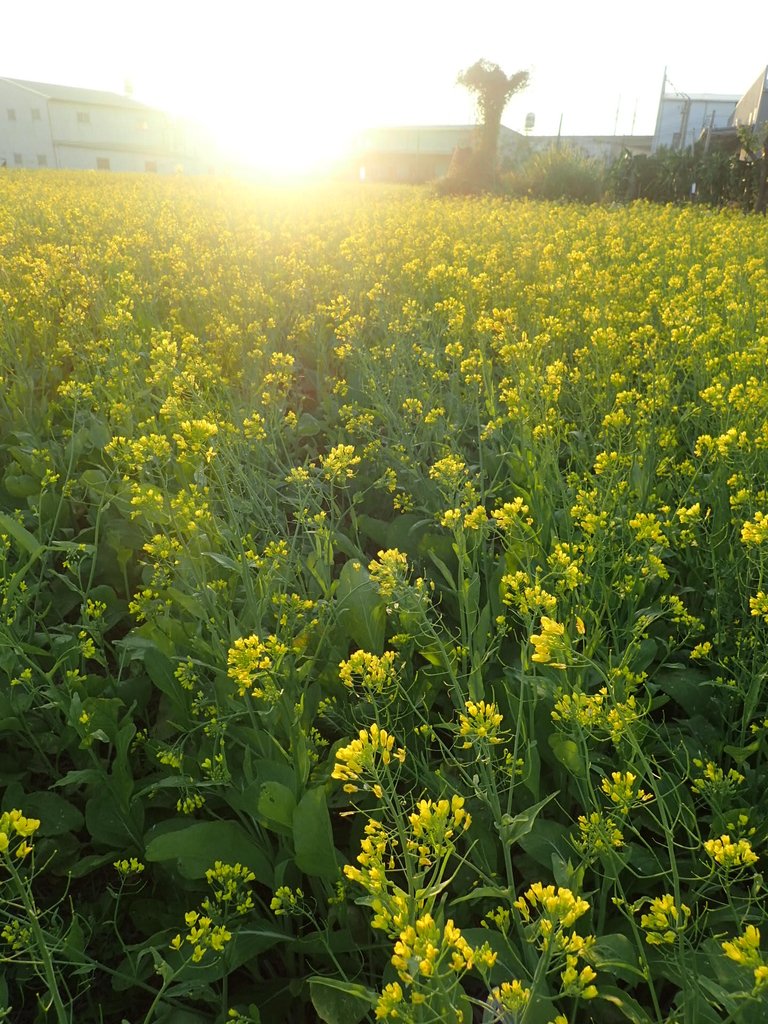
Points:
[[160, 670], [547, 838], [56, 814], [362, 613], [445, 572], [513, 828], [20, 485], [568, 754], [313, 837], [105, 822], [741, 754], [195, 848], [80, 777], [276, 804], [340, 1002]]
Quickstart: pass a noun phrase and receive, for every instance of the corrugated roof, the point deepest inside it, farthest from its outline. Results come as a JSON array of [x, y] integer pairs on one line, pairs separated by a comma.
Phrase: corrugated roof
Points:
[[73, 94]]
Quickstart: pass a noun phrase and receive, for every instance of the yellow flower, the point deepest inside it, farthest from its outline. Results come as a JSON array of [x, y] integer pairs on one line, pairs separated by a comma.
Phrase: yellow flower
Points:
[[434, 826], [745, 949], [622, 792], [731, 854], [339, 464], [389, 571], [664, 921], [480, 724], [550, 642], [372, 672], [360, 760], [511, 996]]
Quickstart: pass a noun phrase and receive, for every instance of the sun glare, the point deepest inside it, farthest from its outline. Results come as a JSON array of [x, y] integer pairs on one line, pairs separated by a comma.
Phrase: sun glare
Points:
[[284, 148]]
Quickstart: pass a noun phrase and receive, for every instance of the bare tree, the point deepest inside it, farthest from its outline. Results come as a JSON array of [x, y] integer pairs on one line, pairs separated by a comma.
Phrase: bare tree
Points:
[[492, 90]]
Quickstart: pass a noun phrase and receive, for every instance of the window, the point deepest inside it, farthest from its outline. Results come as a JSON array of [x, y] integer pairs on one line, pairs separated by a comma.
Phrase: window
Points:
[[150, 166], [11, 114], [83, 117], [102, 163], [35, 113], [42, 160], [18, 159]]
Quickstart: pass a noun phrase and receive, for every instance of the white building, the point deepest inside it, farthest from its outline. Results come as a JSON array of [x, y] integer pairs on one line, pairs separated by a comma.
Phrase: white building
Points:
[[61, 126], [752, 108], [605, 148], [681, 118], [417, 153]]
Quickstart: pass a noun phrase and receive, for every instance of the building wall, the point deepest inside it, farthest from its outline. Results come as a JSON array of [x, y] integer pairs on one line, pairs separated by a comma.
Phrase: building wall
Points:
[[97, 127], [682, 119], [598, 147], [752, 108], [418, 153], [25, 131], [38, 131]]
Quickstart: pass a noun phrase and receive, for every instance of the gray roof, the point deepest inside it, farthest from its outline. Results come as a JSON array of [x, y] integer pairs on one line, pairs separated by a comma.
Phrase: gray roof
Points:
[[701, 97], [73, 94]]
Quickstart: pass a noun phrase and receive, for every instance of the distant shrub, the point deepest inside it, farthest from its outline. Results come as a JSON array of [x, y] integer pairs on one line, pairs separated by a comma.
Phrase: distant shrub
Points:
[[557, 173]]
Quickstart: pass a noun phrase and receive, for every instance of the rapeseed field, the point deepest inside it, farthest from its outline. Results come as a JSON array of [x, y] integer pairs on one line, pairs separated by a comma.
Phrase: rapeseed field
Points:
[[383, 607]]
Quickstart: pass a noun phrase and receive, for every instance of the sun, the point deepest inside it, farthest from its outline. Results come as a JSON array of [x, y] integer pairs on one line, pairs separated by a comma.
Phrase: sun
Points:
[[283, 149]]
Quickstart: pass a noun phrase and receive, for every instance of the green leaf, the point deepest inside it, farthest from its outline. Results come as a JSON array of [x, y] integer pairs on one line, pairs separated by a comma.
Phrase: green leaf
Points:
[[445, 572], [25, 540], [20, 485], [547, 838], [568, 754], [160, 670], [617, 955], [362, 613], [628, 1006], [742, 754], [512, 829], [56, 814], [85, 865], [195, 848], [313, 837], [105, 822], [340, 1002], [276, 805], [223, 560]]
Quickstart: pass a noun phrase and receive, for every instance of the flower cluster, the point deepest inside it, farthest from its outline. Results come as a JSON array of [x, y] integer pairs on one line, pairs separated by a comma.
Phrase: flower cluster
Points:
[[231, 884], [15, 831], [745, 951], [434, 825], [664, 920], [363, 759], [252, 664], [551, 644], [203, 936], [481, 724], [372, 673], [731, 853]]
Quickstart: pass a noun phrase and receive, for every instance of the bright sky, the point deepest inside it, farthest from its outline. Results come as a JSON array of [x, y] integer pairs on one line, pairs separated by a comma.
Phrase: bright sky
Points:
[[286, 84]]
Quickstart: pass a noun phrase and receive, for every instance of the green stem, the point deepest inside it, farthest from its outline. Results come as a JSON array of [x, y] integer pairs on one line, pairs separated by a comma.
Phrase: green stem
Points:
[[45, 956]]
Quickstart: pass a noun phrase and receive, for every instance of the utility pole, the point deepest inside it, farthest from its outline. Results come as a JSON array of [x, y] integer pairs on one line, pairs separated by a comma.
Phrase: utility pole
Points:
[[659, 115]]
